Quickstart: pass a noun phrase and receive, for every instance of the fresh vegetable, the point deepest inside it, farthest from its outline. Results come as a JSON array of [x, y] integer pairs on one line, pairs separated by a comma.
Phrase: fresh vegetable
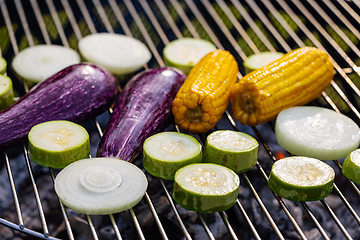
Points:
[[58, 143], [76, 93], [235, 150], [259, 60], [351, 166], [206, 187], [301, 179], [295, 79], [316, 132], [205, 95], [6, 92], [37, 63], [119, 54], [164, 153], [100, 185], [142, 109], [184, 53], [3, 65]]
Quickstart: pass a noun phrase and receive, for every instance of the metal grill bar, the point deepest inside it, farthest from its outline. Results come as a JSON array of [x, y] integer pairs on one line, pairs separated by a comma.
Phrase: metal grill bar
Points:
[[186, 10]]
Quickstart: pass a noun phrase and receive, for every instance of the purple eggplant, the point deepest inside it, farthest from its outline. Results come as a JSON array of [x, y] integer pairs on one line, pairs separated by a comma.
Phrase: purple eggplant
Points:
[[143, 108], [76, 93]]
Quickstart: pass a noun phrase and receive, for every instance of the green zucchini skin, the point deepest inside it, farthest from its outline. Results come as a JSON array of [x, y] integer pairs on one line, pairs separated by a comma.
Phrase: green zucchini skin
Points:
[[142, 109], [76, 93]]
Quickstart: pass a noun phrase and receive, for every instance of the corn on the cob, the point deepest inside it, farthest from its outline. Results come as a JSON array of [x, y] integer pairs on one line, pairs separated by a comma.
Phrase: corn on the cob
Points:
[[205, 94], [295, 79]]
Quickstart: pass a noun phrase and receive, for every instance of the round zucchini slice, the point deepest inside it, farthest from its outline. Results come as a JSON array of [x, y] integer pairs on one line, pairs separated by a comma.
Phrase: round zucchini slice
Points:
[[164, 153], [6, 92], [258, 60], [301, 179], [351, 166], [184, 53], [316, 132], [206, 187], [3, 65], [103, 185], [235, 150], [56, 144]]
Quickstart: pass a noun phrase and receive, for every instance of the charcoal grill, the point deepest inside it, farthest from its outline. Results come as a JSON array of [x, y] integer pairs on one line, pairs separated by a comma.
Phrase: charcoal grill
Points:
[[242, 27]]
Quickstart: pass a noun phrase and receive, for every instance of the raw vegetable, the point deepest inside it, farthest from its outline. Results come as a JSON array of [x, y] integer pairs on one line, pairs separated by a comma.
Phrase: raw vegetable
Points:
[[37, 63], [301, 179], [6, 92], [235, 150], [184, 53], [164, 153], [3, 65], [206, 187], [100, 185], [119, 54], [295, 79], [351, 166], [316, 132], [142, 109], [58, 143], [76, 93], [259, 60], [205, 95]]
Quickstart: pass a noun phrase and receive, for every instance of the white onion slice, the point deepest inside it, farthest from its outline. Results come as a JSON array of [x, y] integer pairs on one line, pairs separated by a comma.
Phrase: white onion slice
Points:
[[119, 54], [316, 132], [37, 63], [100, 185]]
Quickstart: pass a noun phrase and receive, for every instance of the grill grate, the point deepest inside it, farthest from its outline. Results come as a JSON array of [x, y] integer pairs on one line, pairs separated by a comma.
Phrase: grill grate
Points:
[[242, 27]]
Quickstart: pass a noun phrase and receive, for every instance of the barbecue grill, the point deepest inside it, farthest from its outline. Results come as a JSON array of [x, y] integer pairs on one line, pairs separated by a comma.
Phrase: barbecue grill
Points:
[[29, 208]]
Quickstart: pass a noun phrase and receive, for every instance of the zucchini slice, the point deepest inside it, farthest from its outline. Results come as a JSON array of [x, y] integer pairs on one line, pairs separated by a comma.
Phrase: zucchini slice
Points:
[[351, 166], [301, 179], [105, 185], [6, 92], [37, 63], [258, 60], [184, 53], [235, 150], [206, 187], [119, 54], [58, 143], [316, 132], [164, 153], [3, 65]]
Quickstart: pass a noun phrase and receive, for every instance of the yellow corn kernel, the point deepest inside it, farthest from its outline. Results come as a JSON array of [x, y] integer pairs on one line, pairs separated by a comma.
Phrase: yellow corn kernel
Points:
[[295, 79], [206, 92]]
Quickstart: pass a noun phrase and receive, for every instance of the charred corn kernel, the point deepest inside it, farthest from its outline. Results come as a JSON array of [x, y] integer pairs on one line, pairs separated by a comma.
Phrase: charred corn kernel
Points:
[[205, 93], [295, 79]]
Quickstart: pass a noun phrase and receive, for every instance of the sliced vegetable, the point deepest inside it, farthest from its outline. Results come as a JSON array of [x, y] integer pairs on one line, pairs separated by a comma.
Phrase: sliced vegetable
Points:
[[142, 109], [184, 53], [206, 187], [76, 93], [3, 65], [259, 60], [295, 79], [205, 95], [119, 54], [164, 153], [37, 63], [6, 92], [316, 132], [351, 166], [58, 143], [301, 179], [100, 185], [235, 150]]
